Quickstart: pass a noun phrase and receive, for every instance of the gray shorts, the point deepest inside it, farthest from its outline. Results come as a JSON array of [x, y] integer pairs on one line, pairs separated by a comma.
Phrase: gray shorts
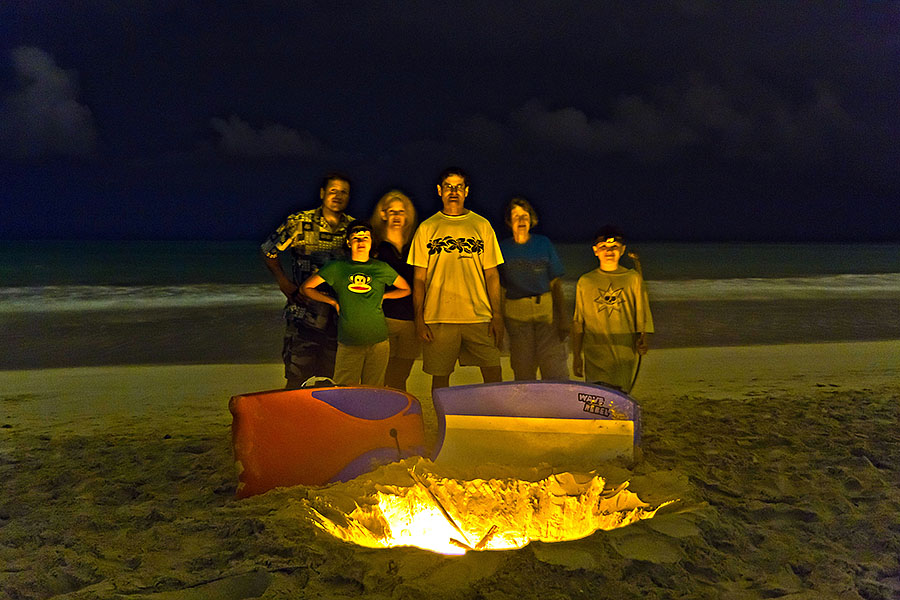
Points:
[[536, 345]]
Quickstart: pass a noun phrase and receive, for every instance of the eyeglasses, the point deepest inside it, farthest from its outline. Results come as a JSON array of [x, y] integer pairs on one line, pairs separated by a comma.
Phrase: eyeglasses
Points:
[[460, 187]]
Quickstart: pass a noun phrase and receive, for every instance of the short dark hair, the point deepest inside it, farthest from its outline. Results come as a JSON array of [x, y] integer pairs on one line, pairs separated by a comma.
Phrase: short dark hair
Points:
[[521, 203], [453, 171], [609, 231], [355, 226], [359, 225], [332, 176]]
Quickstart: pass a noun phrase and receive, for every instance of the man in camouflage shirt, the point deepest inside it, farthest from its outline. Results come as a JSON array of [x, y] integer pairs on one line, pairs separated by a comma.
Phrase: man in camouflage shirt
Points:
[[314, 238]]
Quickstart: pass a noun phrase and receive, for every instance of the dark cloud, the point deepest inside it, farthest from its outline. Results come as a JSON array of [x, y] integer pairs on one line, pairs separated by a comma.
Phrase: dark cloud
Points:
[[694, 115], [637, 128], [44, 117], [239, 138]]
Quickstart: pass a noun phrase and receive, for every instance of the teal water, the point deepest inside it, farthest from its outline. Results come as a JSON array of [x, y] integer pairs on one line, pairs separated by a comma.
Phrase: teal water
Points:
[[94, 303], [238, 262]]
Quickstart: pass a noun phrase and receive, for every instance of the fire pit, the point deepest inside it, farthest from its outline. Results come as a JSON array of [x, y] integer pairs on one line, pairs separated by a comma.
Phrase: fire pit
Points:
[[452, 516]]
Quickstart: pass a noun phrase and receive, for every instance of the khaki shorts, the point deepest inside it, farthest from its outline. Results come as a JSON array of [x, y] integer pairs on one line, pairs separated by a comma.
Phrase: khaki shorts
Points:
[[470, 342], [355, 365], [530, 308], [404, 341]]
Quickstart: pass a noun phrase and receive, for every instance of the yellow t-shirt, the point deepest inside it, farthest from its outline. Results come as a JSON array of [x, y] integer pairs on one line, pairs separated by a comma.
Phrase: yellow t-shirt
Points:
[[455, 251], [610, 309], [612, 302]]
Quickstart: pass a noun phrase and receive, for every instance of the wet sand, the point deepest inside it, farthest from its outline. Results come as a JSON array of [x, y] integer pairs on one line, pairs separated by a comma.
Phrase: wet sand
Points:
[[118, 482], [253, 334]]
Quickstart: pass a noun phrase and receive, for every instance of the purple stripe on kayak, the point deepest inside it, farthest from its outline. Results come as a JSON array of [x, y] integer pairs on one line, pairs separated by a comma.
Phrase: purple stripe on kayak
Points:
[[368, 403]]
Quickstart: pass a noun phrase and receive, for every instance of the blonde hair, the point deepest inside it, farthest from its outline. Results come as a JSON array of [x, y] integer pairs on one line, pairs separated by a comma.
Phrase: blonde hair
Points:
[[379, 223]]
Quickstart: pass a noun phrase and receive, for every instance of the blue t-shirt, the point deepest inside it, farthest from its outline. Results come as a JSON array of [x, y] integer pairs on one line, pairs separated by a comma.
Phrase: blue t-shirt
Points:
[[529, 267]]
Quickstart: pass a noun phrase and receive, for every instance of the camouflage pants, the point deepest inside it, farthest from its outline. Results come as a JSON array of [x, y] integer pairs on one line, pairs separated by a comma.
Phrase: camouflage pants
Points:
[[307, 353]]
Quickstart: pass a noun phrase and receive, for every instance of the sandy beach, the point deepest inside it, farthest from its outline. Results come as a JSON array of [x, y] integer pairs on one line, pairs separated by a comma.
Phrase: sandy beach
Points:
[[118, 482]]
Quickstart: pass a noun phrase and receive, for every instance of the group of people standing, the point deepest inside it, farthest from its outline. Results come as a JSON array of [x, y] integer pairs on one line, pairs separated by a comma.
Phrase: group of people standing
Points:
[[446, 290]]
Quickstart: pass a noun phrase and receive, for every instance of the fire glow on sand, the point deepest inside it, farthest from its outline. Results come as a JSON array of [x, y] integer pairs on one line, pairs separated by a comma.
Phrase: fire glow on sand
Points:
[[452, 516]]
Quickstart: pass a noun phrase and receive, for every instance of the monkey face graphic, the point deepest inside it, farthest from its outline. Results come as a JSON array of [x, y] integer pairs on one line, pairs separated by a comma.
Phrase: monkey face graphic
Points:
[[359, 283]]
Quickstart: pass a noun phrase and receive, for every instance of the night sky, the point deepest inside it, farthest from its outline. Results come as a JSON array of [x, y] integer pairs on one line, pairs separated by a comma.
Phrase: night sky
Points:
[[680, 120]]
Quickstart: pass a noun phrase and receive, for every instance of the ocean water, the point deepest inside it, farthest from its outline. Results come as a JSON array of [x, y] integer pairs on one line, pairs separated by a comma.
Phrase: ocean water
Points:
[[90, 303]]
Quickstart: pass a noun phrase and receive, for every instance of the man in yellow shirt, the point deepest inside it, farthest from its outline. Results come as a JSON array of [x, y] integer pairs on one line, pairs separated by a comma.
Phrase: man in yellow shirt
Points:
[[456, 290]]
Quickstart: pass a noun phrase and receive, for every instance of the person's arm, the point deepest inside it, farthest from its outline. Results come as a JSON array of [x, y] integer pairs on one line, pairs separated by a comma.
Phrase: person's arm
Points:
[[401, 289], [422, 329], [309, 289], [287, 287], [577, 349], [578, 334], [492, 282], [563, 324]]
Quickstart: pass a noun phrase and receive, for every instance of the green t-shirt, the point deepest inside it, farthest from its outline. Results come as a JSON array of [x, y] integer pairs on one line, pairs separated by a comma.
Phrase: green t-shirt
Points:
[[359, 287]]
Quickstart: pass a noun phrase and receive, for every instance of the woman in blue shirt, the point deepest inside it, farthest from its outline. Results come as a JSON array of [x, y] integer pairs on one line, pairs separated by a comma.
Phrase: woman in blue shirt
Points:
[[533, 306]]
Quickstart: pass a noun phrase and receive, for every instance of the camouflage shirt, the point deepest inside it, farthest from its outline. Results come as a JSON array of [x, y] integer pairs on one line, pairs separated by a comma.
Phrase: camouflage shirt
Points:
[[312, 243]]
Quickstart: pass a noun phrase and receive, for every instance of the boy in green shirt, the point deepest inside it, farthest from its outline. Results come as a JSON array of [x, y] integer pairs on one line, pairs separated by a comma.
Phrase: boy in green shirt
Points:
[[359, 283]]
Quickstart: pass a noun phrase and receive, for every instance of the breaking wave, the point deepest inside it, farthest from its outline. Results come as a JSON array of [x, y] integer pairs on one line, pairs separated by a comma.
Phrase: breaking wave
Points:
[[879, 285], [107, 297]]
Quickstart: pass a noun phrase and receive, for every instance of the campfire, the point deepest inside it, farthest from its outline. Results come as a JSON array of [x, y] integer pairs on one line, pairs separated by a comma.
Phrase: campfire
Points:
[[452, 516]]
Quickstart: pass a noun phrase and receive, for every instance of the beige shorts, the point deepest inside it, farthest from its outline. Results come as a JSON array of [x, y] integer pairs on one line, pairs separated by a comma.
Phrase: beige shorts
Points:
[[470, 342], [404, 341], [355, 365], [530, 308]]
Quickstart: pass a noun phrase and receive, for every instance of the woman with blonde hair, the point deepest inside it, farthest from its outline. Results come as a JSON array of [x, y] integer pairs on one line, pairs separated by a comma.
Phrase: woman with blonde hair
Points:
[[393, 221]]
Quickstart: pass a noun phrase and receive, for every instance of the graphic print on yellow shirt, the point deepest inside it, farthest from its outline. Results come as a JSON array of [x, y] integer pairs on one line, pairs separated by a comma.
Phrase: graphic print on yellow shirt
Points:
[[610, 300], [462, 245]]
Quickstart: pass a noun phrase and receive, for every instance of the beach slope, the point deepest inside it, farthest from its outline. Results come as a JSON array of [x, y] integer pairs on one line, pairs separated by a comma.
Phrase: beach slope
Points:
[[119, 482]]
